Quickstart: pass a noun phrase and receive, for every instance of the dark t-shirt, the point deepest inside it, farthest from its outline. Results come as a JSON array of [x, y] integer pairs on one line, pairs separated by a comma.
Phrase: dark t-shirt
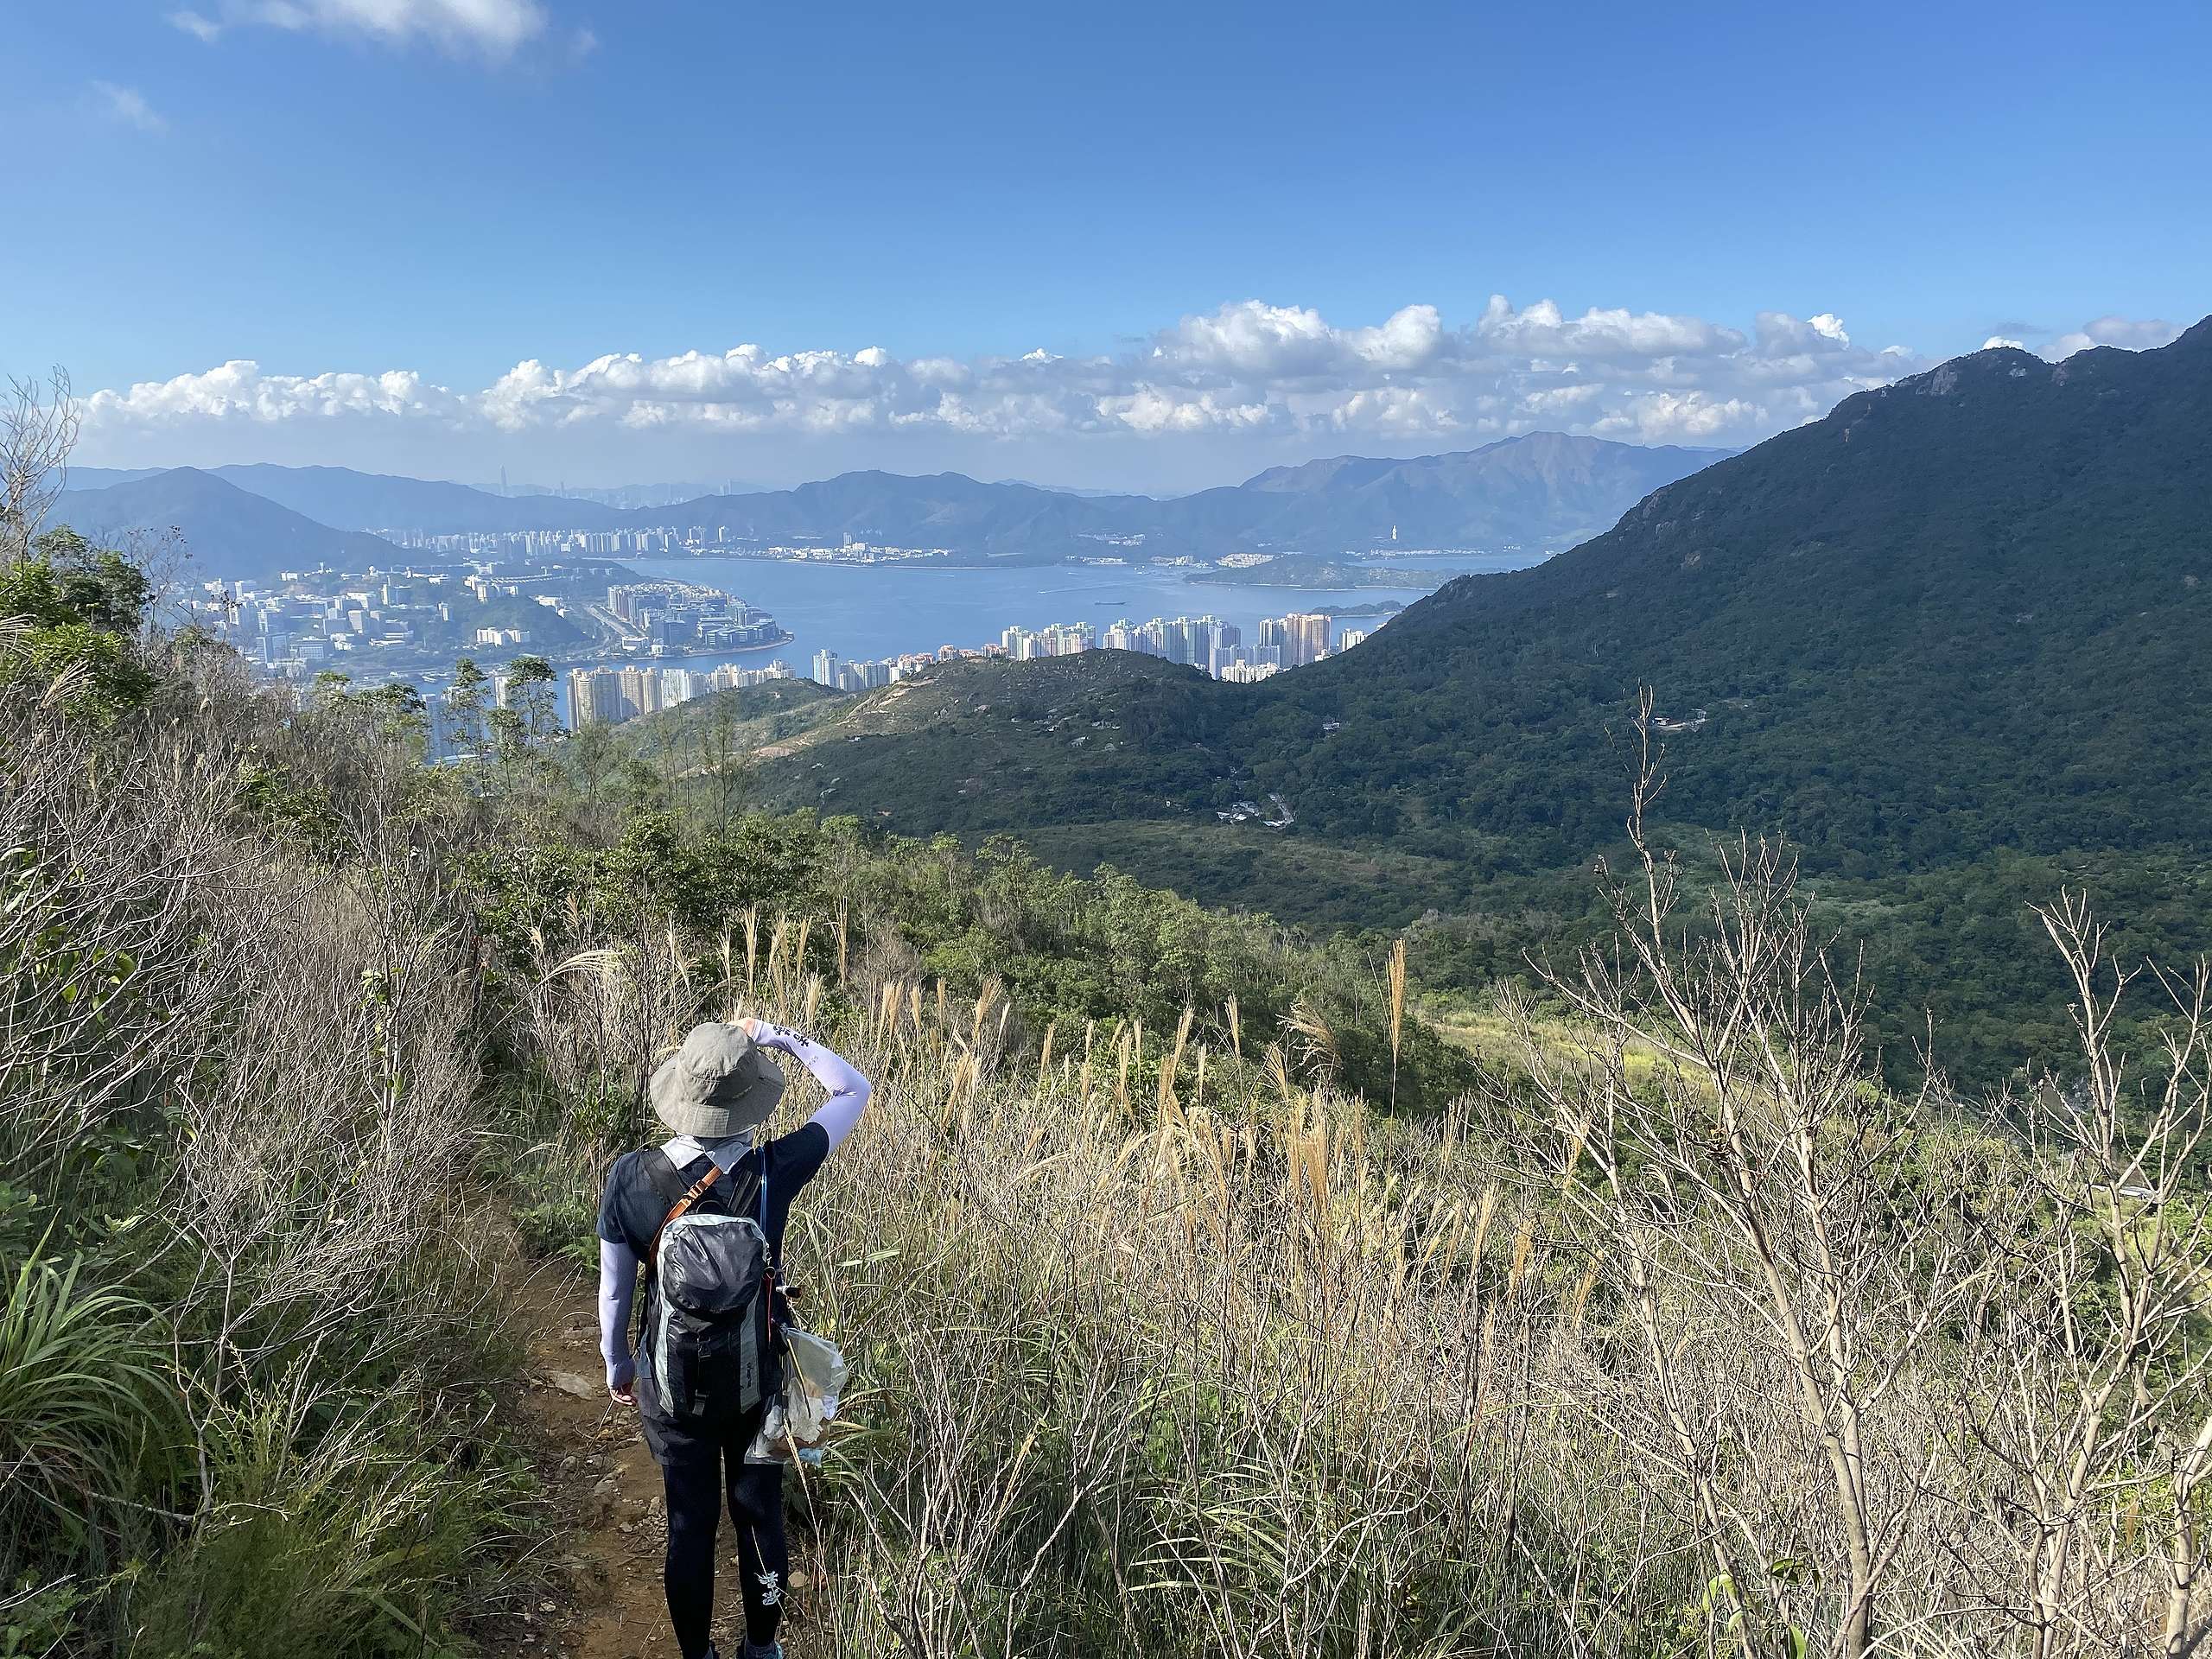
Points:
[[633, 1208]]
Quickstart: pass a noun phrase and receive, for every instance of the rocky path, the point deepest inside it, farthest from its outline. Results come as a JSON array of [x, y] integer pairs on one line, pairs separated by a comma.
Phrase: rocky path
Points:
[[606, 1599]]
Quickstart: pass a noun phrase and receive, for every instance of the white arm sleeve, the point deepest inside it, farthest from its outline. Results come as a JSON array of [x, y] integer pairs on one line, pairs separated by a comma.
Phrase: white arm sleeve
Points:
[[849, 1090], [618, 1282]]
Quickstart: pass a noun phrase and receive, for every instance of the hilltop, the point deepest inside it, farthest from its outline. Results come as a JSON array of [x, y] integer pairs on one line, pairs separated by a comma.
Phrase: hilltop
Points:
[[353, 500], [229, 532], [746, 719]]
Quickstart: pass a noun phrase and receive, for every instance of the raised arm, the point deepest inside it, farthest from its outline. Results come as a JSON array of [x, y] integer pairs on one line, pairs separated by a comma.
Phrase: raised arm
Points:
[[618, 1282], [849, 1090]]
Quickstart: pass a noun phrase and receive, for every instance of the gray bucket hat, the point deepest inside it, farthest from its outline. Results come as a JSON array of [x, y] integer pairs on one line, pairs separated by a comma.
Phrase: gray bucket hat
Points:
[[719, 1083]]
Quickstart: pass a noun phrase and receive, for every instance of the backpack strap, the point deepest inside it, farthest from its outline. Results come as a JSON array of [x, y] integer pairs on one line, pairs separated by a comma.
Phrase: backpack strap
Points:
[[682, 1205], [768, 1284], [662, 1173]]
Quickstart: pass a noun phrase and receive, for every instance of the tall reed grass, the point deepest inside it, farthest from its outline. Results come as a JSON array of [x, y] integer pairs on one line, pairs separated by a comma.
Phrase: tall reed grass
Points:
[[1678, 1337]]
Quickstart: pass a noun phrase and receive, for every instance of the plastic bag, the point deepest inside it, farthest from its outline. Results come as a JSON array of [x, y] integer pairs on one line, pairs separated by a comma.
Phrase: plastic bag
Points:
[[814, 1376]]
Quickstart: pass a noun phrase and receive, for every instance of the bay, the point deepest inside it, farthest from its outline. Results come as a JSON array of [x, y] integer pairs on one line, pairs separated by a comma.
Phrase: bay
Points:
[[868, 611]]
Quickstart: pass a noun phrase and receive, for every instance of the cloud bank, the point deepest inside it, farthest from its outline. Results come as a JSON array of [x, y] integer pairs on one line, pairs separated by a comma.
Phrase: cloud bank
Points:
[[1248, 370]]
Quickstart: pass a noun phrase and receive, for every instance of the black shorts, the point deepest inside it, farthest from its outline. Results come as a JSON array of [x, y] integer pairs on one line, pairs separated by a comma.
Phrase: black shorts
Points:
[[677, 1441]]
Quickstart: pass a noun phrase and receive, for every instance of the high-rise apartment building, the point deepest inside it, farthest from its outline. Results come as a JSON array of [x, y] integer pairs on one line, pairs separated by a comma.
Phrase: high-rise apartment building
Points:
[[1307, 636], [1302, 637], [595, 697]]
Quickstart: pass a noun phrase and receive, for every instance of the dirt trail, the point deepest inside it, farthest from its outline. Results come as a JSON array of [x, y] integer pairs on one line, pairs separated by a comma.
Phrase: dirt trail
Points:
[[606, 1599]]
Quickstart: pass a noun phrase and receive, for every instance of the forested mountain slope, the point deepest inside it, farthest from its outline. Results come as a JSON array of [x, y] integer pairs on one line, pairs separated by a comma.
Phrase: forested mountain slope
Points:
[[1963, 612], [1964, 618]]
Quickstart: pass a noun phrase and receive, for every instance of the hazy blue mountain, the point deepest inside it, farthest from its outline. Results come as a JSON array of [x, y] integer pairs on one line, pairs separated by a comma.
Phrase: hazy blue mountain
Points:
[[351, 500], [632, 495], [1544, 489], [943, 510], [1064, 489], [230, 532], [98, 478]]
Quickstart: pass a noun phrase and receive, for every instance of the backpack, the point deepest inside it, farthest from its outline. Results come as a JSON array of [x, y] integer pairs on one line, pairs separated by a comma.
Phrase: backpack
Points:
[[710, 1323]]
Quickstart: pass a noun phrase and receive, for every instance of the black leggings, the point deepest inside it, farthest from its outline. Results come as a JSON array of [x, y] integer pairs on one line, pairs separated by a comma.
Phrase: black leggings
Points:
[[696, 1488]]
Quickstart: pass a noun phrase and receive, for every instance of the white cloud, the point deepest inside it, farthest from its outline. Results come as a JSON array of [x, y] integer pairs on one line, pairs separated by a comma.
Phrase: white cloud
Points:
[[128, 106], [1997, 341], [1246, 368], [2128, 333], [493, 27], [193, 24], [1246, 379]]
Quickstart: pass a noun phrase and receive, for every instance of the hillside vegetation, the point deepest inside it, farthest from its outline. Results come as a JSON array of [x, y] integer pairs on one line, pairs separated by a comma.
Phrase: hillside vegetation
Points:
[[1935, 639]]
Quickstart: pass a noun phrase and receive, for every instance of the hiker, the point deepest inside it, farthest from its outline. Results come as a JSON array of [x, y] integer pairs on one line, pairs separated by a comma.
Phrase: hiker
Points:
[[689, 1209]]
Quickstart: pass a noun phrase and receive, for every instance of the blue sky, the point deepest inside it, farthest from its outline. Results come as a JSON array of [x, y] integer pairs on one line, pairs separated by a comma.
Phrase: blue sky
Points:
[[1206, 217]]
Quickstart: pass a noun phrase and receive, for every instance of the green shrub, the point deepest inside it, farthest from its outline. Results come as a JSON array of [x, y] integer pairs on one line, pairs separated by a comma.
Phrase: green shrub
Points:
[[90, 1420], [344, 1542]]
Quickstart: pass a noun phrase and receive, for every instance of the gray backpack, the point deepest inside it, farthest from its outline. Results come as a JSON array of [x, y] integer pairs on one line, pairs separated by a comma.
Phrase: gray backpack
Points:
[[710, 1293]]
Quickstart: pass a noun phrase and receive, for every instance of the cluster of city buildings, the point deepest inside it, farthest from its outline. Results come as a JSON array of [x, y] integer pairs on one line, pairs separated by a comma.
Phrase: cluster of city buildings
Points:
[[609, 695], [682, 616], [662, 541], [1203, 642], [1221, 649], [344, 621]]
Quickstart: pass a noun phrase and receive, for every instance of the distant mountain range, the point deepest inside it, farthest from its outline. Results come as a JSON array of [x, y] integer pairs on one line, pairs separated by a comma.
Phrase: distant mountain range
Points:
[[229, 532], [1544, 490], [346, 499]]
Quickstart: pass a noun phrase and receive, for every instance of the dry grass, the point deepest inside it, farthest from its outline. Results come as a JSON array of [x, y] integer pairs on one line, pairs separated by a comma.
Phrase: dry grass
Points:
[[1214, 1361]]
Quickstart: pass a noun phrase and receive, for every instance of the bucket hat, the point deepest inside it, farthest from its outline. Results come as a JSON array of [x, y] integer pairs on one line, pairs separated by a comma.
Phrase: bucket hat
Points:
[[719, 1083]]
